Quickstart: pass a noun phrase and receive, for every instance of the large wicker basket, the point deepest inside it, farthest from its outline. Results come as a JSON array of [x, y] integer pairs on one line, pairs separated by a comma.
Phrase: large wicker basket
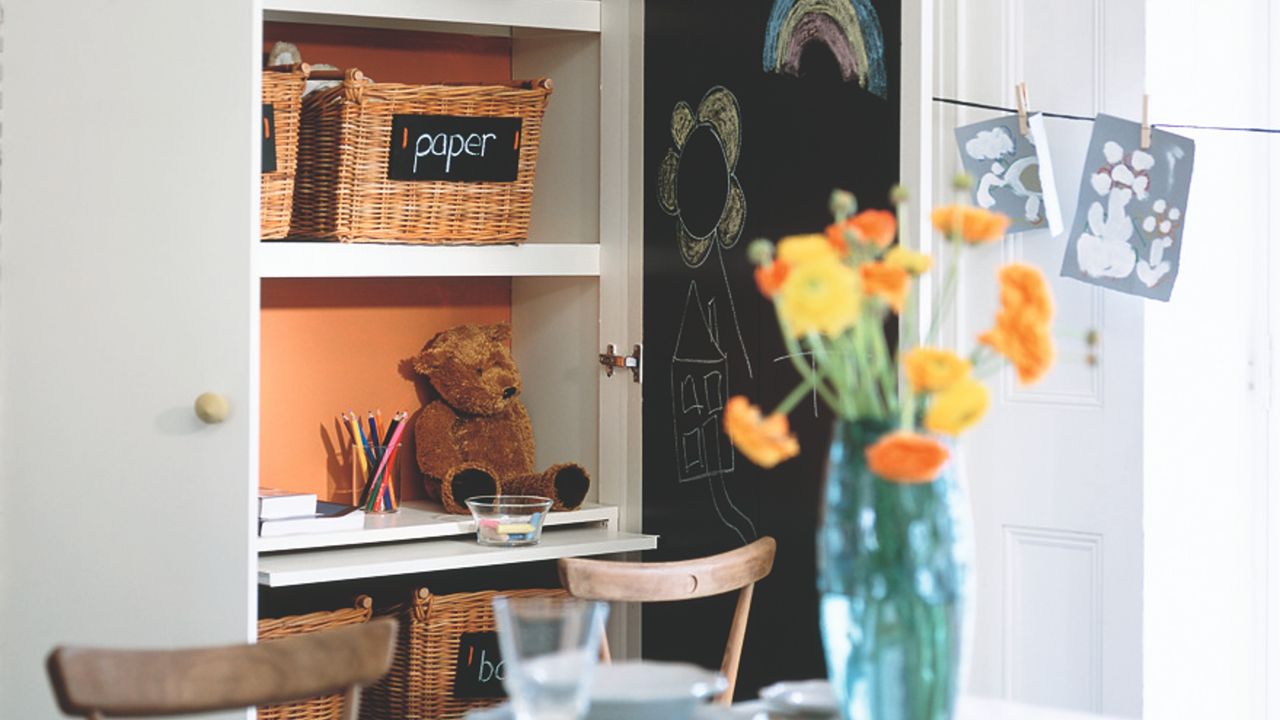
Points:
[[328, 707], [420, 684], [344, 191], [282, 89]]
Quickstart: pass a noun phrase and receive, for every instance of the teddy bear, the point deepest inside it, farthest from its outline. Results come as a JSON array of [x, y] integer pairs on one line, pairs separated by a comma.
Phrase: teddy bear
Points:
[[474, 438]]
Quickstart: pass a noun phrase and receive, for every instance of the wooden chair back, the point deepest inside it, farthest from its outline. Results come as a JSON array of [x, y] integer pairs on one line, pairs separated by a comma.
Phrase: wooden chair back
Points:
[[683, 580], [98, 683]]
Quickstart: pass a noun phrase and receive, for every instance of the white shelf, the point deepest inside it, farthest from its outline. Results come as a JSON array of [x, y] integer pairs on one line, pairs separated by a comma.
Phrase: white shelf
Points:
[[320, 566], [571, 15], [421, 520], [277, 259]]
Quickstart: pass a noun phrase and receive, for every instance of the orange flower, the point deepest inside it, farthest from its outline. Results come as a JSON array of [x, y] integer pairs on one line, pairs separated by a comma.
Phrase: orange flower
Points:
[[765, 441], [974, 225], [1021, 331], [874, 228], [889, 282], [906, 457], [770, 277]]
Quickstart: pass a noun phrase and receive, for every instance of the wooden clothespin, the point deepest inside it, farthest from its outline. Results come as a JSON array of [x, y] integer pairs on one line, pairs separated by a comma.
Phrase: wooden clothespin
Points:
[[1020, 92], [1144, 141]]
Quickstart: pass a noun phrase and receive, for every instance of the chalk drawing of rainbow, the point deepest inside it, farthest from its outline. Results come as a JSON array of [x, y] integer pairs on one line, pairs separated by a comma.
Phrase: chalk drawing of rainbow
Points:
[[849, 28]]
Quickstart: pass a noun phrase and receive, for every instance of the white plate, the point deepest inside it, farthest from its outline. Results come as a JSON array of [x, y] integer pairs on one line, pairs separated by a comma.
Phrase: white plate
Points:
[[640, 691], [805, 697]]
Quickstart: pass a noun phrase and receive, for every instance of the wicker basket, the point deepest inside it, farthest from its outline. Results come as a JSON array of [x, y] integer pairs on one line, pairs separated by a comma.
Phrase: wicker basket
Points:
[[328, 707], [420, 684], [344, 191], [281, 89]]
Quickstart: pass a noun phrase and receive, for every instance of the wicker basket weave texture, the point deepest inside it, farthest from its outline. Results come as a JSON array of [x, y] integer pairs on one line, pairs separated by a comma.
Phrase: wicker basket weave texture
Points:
[[343, 191], [282, 89], [328, 707], [420, 684]]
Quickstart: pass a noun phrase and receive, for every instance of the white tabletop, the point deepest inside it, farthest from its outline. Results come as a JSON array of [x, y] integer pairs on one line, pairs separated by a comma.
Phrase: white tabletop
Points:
[[970, 708]]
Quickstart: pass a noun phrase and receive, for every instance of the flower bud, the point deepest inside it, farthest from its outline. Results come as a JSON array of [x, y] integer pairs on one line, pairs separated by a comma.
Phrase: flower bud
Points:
[[962, 182], [843, 204], [898, 195], [760, 251]]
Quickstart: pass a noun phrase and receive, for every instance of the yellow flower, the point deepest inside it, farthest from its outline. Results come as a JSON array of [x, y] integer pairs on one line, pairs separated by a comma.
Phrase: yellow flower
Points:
[[802, 249], [764, 441], [932, 369], [906, 457], [821, 297], [913, 262], [1021, 331], [956, 408], [886, 282], [972, 224]]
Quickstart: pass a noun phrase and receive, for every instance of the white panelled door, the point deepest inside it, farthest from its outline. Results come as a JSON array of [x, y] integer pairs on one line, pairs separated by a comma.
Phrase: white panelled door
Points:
[[126, 290], [1056, 468]]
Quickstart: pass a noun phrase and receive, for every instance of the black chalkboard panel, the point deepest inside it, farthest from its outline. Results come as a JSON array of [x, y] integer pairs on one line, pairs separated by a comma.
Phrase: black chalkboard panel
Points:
[[736, 148], [268, 138], [479, 667], [459, 149]]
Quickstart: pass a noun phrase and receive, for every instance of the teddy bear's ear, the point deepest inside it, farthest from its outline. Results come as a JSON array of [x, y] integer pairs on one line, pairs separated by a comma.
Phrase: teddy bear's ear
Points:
[[428, 361], [500, 333]]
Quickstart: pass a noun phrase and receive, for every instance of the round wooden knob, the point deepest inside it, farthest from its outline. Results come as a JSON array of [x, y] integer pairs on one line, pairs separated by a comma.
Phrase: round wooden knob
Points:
[[212, 408]]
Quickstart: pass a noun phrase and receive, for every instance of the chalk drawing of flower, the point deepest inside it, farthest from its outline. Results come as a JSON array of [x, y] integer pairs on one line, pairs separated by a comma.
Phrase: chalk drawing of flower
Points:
[[697, 181], [1105, 249]]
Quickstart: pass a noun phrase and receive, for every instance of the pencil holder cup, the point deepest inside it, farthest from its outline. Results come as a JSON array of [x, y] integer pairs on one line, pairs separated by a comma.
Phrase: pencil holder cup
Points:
[[375, 478]]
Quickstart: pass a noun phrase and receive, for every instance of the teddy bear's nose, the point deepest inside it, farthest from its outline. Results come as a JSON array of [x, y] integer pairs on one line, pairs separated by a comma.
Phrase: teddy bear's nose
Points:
[[509, 393]]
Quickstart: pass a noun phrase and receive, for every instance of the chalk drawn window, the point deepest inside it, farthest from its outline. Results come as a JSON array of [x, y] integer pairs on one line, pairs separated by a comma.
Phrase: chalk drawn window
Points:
[[715, 392], [689, 395], [693, 449]]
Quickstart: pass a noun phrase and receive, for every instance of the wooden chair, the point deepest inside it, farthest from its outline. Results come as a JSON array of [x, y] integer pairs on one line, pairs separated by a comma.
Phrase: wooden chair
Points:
[[684, 580], [98, 683]]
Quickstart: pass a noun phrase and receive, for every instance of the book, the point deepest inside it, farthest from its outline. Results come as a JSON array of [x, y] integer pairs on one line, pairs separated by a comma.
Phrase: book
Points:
[[329, 517], [275, 504]]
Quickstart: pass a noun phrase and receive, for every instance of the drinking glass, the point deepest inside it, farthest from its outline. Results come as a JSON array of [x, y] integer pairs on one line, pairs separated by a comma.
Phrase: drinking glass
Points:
[[549, 647]]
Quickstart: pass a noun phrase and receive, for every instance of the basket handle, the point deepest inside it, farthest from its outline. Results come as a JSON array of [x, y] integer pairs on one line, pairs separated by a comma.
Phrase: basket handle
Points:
[[355, 76], [303, 68]]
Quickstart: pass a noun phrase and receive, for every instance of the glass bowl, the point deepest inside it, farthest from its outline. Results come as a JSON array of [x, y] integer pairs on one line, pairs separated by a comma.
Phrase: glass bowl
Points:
[[509, 520]]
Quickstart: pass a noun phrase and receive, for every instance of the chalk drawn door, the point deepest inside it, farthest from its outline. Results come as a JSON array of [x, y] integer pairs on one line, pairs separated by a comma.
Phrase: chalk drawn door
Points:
[[1055, 469], [131, 142], [752, 117]]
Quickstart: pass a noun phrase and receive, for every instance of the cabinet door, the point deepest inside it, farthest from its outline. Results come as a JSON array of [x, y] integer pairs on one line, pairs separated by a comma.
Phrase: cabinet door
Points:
[[130, 142]]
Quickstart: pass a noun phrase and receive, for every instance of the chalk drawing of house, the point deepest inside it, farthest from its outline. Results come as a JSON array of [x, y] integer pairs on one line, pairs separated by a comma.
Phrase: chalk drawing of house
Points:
[[699, 387]]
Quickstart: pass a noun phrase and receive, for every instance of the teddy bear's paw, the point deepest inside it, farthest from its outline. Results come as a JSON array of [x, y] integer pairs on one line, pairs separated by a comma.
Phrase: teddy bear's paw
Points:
[[463, 483], [571, 483]]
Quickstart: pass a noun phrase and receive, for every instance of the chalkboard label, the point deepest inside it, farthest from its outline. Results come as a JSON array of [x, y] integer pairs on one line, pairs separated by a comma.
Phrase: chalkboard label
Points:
[[480, 669], [458, 149], [268, 138]]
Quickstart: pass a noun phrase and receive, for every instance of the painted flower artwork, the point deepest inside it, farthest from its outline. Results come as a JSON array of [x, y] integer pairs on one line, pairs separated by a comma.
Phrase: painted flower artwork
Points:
[[1127, 233], [1014, 172]]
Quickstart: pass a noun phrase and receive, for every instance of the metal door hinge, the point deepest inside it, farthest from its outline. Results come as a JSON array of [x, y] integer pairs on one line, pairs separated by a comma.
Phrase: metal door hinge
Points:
[[610, 359]]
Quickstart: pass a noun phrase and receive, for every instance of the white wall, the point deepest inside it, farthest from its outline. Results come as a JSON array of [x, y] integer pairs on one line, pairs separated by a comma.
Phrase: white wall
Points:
[[1208, 355]]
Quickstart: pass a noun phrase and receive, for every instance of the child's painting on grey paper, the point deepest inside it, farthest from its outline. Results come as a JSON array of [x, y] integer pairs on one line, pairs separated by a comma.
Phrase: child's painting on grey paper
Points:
[[1127, 233], [1012, 173]]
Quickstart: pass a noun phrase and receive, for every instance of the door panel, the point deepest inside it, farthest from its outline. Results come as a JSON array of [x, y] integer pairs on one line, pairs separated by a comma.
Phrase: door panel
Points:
[[1056, 468], [127, 222]]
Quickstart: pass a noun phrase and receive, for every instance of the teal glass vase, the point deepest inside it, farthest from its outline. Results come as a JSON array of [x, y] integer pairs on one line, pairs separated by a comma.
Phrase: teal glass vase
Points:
[[894, 575]]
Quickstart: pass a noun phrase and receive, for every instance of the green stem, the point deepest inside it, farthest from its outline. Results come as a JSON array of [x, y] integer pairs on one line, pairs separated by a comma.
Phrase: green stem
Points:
[[790, 401], [845, 387], [883, 368], [807, 371], [945, 298]]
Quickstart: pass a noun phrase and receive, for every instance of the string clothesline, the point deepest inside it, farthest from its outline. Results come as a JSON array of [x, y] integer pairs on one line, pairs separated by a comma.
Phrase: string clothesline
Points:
[[1065, 116]]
